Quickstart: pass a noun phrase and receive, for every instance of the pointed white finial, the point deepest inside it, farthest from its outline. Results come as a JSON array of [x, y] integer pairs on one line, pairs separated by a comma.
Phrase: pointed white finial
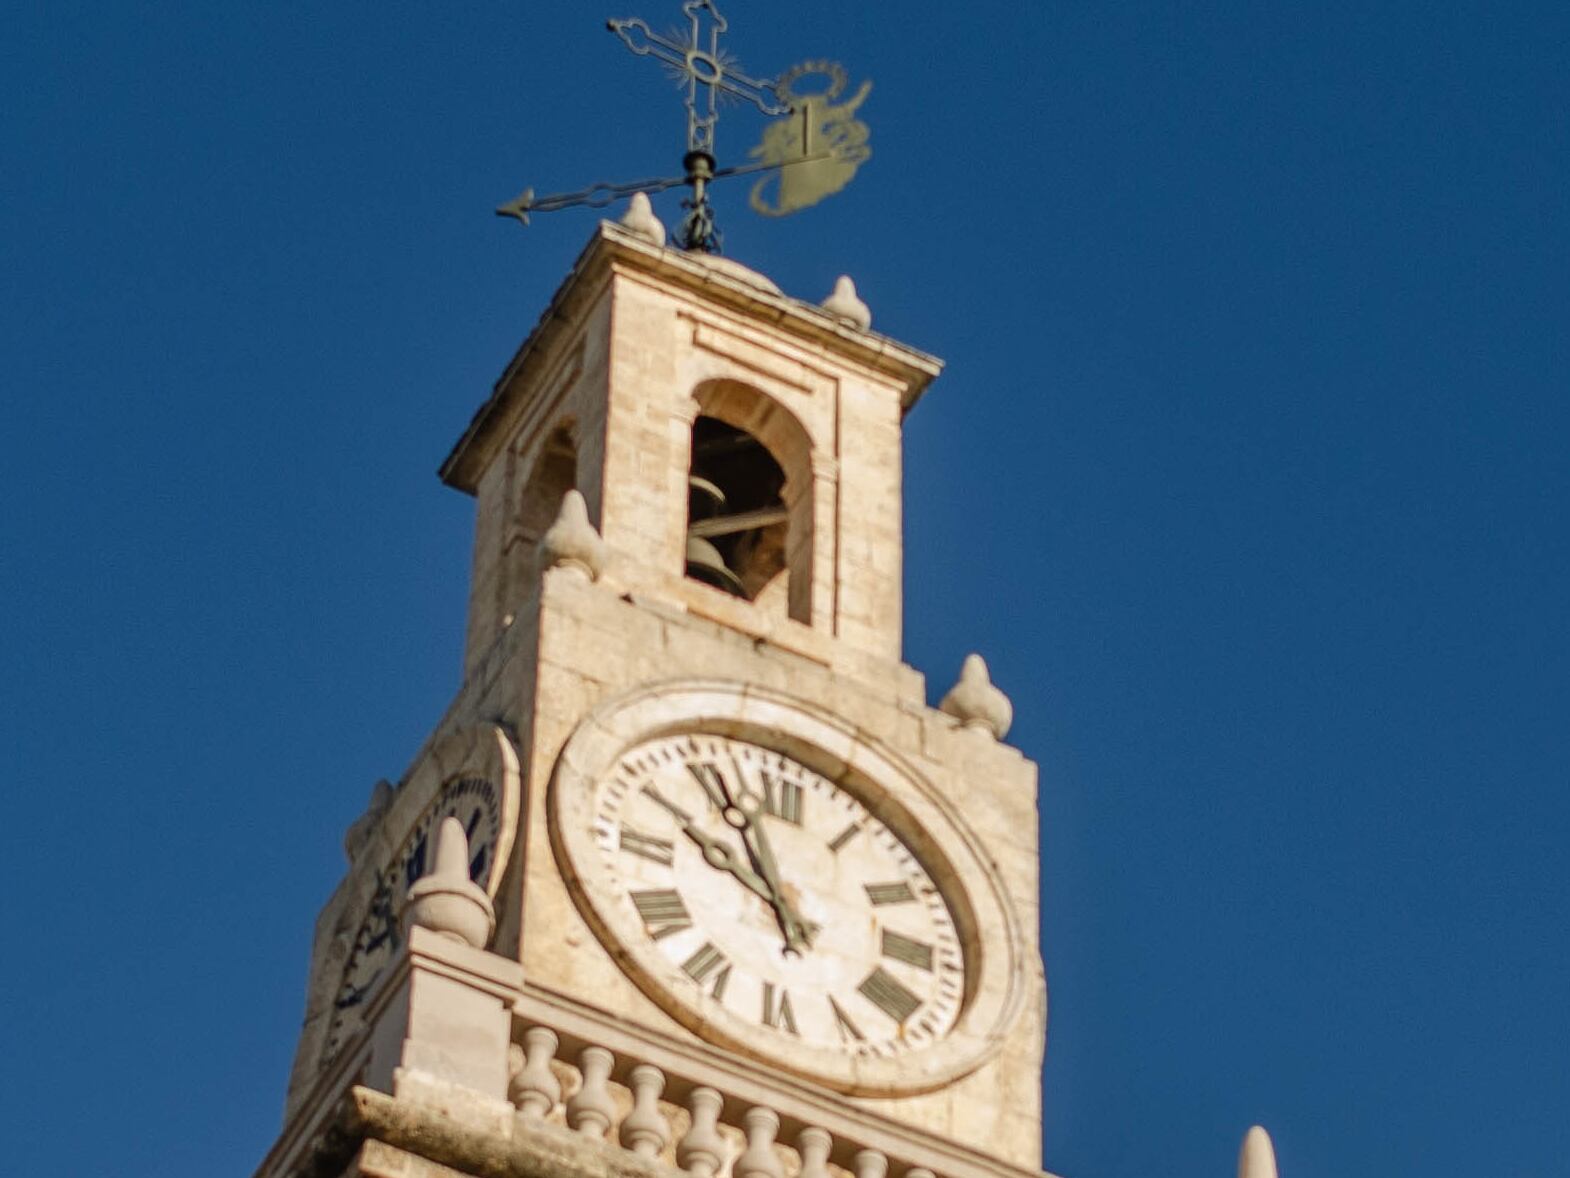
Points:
[[446, 900], [1257, 1158], [845, 305], [976, 702], [571, 541], [640, 219]]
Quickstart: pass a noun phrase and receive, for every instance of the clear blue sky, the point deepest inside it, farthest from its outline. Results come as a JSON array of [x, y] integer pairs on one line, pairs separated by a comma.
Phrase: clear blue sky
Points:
[[1248, 475]]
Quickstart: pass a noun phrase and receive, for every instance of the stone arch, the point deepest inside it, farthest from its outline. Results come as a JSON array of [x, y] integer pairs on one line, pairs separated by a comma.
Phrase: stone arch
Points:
[[772, 562], [532, 504], [553, 473]]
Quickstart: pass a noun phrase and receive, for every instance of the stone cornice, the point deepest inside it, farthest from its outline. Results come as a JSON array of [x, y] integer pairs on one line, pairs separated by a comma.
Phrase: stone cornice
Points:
[[613, 246]]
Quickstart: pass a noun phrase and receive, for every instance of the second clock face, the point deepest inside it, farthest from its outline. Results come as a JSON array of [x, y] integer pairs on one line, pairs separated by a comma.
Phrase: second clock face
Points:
[[474, 801], [775, 897]]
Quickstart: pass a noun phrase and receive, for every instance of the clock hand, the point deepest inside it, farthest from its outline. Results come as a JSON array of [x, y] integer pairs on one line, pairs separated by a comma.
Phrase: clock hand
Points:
[[748, 808], [715, 853]]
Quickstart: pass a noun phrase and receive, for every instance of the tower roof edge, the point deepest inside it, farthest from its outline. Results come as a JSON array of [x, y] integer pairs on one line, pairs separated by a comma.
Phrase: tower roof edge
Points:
[[721, 280]]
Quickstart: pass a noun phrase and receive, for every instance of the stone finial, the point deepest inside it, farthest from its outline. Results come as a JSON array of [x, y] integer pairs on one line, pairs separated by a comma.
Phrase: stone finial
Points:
[[359, 832], [845, 305], [571, 542], [640, 219], [1257, 1158], [976, 702], [446, 900]]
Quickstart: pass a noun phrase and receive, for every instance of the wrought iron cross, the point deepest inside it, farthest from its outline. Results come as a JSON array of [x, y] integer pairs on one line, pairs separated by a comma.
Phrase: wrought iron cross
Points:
[[810, 153], [712, 68]]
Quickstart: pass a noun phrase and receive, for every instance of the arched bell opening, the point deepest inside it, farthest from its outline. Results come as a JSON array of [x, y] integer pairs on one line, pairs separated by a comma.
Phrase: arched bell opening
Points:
[[554, 473], [737, 520], [751, 501]]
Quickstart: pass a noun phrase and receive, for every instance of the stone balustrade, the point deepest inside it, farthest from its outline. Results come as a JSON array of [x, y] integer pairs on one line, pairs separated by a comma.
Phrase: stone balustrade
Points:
[[676, 1113]]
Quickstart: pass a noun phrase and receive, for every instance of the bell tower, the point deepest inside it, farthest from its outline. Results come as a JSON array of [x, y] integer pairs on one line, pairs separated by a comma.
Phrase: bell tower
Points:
[[720, 888], [689, 875]]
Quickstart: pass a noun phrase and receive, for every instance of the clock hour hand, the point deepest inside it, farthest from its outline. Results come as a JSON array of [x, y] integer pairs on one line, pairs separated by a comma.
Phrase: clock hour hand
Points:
[[716, 854]]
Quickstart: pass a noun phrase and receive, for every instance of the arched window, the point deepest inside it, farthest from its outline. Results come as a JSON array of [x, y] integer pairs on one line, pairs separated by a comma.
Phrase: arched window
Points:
[[555, 472], [735, 517], [749, 505]]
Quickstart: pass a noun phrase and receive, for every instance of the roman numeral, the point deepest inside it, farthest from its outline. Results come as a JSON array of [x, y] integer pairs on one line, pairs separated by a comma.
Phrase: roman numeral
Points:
[[848, 1030], [890, 893], [899, 947], [889, 995], [707, 774], [657, 850], [778, 1014], [663, 911], [782, 799], [708, 960], [845, 836]]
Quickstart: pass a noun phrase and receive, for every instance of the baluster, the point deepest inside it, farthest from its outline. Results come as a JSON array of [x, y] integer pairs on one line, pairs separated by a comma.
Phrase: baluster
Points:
[[814, 1144], [591, 1108], [644, 1131], [869, 1163], [702, 1150], [535, 1088], [758, 1160]]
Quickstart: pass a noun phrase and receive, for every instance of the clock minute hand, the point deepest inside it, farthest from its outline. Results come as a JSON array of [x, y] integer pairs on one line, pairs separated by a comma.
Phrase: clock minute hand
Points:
[[715, 853], [797, 935], [749, 807]]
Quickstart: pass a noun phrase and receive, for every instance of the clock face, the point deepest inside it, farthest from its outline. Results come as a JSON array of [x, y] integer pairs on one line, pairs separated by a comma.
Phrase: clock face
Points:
[[476, 802], [773, 901]]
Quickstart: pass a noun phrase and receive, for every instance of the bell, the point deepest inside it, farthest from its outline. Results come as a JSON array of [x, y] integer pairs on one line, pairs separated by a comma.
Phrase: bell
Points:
[[704, 563], [701, 490]]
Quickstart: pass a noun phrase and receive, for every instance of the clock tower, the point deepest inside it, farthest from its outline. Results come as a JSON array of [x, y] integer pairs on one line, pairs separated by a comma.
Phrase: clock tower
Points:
[[689, 876]]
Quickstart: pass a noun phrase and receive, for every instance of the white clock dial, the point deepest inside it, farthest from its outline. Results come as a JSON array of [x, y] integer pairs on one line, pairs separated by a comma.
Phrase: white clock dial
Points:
[[777, 898], [477, 803]]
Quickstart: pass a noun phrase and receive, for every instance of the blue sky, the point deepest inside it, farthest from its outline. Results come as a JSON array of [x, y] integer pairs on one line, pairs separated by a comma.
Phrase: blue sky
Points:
[[1248, 475]]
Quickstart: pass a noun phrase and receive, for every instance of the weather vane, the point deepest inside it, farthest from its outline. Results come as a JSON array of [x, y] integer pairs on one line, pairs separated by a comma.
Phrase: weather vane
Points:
[[810, 151]]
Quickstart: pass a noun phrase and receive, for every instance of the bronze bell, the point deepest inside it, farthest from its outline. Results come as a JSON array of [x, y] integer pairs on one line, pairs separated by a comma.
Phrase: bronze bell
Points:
[[704, 563]]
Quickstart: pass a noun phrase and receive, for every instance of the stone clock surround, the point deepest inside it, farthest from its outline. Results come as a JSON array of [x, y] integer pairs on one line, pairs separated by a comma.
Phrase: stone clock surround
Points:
[[930, 824]]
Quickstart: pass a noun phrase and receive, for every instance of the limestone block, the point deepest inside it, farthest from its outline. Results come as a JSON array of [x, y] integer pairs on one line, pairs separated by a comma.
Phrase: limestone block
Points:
[[447, 1018]]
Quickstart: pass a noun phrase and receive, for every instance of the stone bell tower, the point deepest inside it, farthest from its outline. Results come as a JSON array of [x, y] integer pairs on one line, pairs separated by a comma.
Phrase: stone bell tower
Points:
[[689, 877]]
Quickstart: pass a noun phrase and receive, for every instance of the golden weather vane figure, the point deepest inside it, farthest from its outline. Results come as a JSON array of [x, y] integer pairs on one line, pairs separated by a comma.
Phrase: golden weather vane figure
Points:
[[810, 151], [816, 148]]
